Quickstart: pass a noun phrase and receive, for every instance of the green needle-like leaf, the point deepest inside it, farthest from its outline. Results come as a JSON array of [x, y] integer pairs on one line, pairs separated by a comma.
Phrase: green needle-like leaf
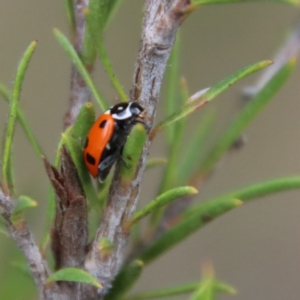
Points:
[[172, 291], [205, 291], [23, 202], [211, 94], [75, 275], [95, 21], [5, 93], [21, 267], [112, 7], [72, 54], [161, 201], [70, 14], [125, 280], [96, 17], [194, 150], [108, 67], [83, 173], [201, 2], [250, 111], [51, 205], [179, 290], [13, 111], [132, 151], [256, 191], [170, 176], [83, 123], [209, 285], [188, 225], [224, 287], [157, 161], [204, 214]]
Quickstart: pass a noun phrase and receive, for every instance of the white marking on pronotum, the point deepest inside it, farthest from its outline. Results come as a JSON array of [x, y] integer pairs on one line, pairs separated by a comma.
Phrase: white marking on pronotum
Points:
[[107, 146], [124, 114]]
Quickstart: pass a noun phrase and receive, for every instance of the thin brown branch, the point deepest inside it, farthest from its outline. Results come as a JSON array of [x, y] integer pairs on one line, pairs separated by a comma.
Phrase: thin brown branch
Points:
[[79, 92], [161, 21], [25, 241]]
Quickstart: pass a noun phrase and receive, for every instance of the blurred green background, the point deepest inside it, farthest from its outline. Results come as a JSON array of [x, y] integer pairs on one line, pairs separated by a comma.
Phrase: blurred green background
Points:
[[255, 248]]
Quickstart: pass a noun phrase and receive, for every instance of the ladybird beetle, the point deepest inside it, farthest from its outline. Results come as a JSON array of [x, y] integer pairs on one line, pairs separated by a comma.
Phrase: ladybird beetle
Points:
[[108, 135]]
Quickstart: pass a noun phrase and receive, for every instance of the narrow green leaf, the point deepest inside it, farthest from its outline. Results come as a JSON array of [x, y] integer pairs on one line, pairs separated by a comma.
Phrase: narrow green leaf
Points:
[[70, 14], [72, 54], [249, 112], [161, 201], [13, 109], [95, 20], [172, 291], [50, 214], [112, 7], [209, 285], [179, 290], [51, 205], [96, 17], [224, 288], [201, 2], [108, 67], [200, 217], [21, 267], [256, 191], [170, 175], [157, 161], [188, 225], [196, 102], [205, 290], [22, 203], [195, 149], [57, 158], [132, 152], [83, 123], [125, 280], [83, 173], [5, 93], [75, 275], [10, 175], [103, 191]]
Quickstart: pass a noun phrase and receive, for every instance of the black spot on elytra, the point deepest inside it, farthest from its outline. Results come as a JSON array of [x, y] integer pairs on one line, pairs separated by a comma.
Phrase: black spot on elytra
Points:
[[90, 159], [103, 123], [86, 143]]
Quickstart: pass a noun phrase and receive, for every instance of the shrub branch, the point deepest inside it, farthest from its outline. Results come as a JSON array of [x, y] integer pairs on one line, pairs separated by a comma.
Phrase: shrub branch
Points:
[[161, 21], [25, 241], [79, 92]]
